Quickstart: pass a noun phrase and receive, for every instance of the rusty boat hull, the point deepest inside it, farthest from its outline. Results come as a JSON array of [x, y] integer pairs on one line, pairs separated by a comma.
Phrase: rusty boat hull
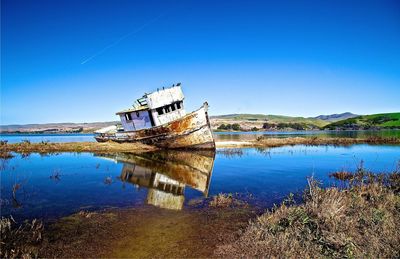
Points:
[[192, 131]]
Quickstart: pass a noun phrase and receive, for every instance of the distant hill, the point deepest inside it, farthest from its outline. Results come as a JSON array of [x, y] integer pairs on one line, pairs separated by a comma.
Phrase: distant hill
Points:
[[271, 118], [337, 117], [259, 119], [374, 121], [56, 127]]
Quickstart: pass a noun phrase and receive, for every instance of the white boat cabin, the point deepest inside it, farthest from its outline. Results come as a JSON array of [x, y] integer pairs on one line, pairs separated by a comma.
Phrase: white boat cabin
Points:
[[154, 109]]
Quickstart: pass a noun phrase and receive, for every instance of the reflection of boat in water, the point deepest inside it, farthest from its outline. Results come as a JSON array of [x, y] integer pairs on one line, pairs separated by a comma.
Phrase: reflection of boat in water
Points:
[[167, 173]]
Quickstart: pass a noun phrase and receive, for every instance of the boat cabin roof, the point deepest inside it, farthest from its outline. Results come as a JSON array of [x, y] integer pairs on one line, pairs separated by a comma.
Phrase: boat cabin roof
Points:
[[156, 99], [134, 109]]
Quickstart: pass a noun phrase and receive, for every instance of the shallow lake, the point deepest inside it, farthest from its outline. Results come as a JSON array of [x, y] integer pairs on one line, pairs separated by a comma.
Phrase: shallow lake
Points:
[[219, 136], [57, 185]]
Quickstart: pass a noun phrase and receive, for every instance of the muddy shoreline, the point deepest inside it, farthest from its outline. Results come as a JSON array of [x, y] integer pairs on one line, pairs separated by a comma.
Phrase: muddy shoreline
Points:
[[45, 147], [146, 232]]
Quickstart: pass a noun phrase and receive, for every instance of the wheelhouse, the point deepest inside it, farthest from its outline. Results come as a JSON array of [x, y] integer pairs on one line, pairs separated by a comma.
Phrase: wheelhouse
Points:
[[154, 109]]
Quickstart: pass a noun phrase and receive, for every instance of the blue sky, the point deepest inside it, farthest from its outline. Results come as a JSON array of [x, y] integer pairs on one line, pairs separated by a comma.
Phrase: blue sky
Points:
[[81, 61]]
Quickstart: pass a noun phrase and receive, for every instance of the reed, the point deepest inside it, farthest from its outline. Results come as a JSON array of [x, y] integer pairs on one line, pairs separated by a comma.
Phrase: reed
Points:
[[274, 142], [358, 221], [46, 147], [20, 240], [5, 154]]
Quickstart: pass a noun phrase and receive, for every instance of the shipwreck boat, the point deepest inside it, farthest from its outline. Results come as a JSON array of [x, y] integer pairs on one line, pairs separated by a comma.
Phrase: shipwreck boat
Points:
[[159, 119]]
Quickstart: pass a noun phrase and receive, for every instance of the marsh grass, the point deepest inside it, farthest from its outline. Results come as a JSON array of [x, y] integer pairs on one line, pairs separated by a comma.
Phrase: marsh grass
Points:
[[358, 221], [227, 200], [222, 200], [6, 155], [25, 147], [20, 240], [342, 175], [325, 141], [262, 141]]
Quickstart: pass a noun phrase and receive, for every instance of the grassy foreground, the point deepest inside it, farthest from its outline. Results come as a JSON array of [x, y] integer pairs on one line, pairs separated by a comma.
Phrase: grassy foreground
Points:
[[357, 219], [360, 219]]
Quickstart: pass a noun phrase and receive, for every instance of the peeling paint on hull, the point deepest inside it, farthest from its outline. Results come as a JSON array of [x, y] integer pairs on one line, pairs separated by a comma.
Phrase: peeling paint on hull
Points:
[[192, 131]]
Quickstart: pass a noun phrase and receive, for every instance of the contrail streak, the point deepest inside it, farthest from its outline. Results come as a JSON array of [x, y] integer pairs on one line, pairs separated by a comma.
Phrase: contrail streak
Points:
[[122, 38]]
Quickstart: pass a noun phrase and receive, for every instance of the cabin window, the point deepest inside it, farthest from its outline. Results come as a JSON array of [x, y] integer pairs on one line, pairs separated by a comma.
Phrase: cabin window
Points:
[[173, 107], [128, 116], [160, 111], [137, 114], [167, 109], [178, 105]]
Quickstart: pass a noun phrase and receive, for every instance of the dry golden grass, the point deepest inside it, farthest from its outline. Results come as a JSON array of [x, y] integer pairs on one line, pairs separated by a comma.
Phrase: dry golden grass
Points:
[[46, 147], [326, 141], [342, 175], [5, 154], [277, 142], [20, 241], [360, 221], [222, 200]]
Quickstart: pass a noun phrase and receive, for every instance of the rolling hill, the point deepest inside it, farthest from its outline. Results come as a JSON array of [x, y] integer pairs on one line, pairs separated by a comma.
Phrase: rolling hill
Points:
[[66, 127], [337, 117], [266, 122], [270, 119], [373, 121]]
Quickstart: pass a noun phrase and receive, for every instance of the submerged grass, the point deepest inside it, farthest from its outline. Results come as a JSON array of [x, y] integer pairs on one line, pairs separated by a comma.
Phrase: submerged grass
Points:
[[231, 152], [360, 220]]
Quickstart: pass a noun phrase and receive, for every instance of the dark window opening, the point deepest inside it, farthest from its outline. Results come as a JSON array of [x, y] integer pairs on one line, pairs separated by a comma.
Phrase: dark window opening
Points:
[[160, 111], [167, 109], [128, 116], [151, 119], [173, 108], [178, 105], [137, 114]]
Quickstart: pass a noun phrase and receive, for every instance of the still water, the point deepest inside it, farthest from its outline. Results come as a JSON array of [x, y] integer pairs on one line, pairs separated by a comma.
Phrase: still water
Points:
[[52, 186], [219, 136]]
